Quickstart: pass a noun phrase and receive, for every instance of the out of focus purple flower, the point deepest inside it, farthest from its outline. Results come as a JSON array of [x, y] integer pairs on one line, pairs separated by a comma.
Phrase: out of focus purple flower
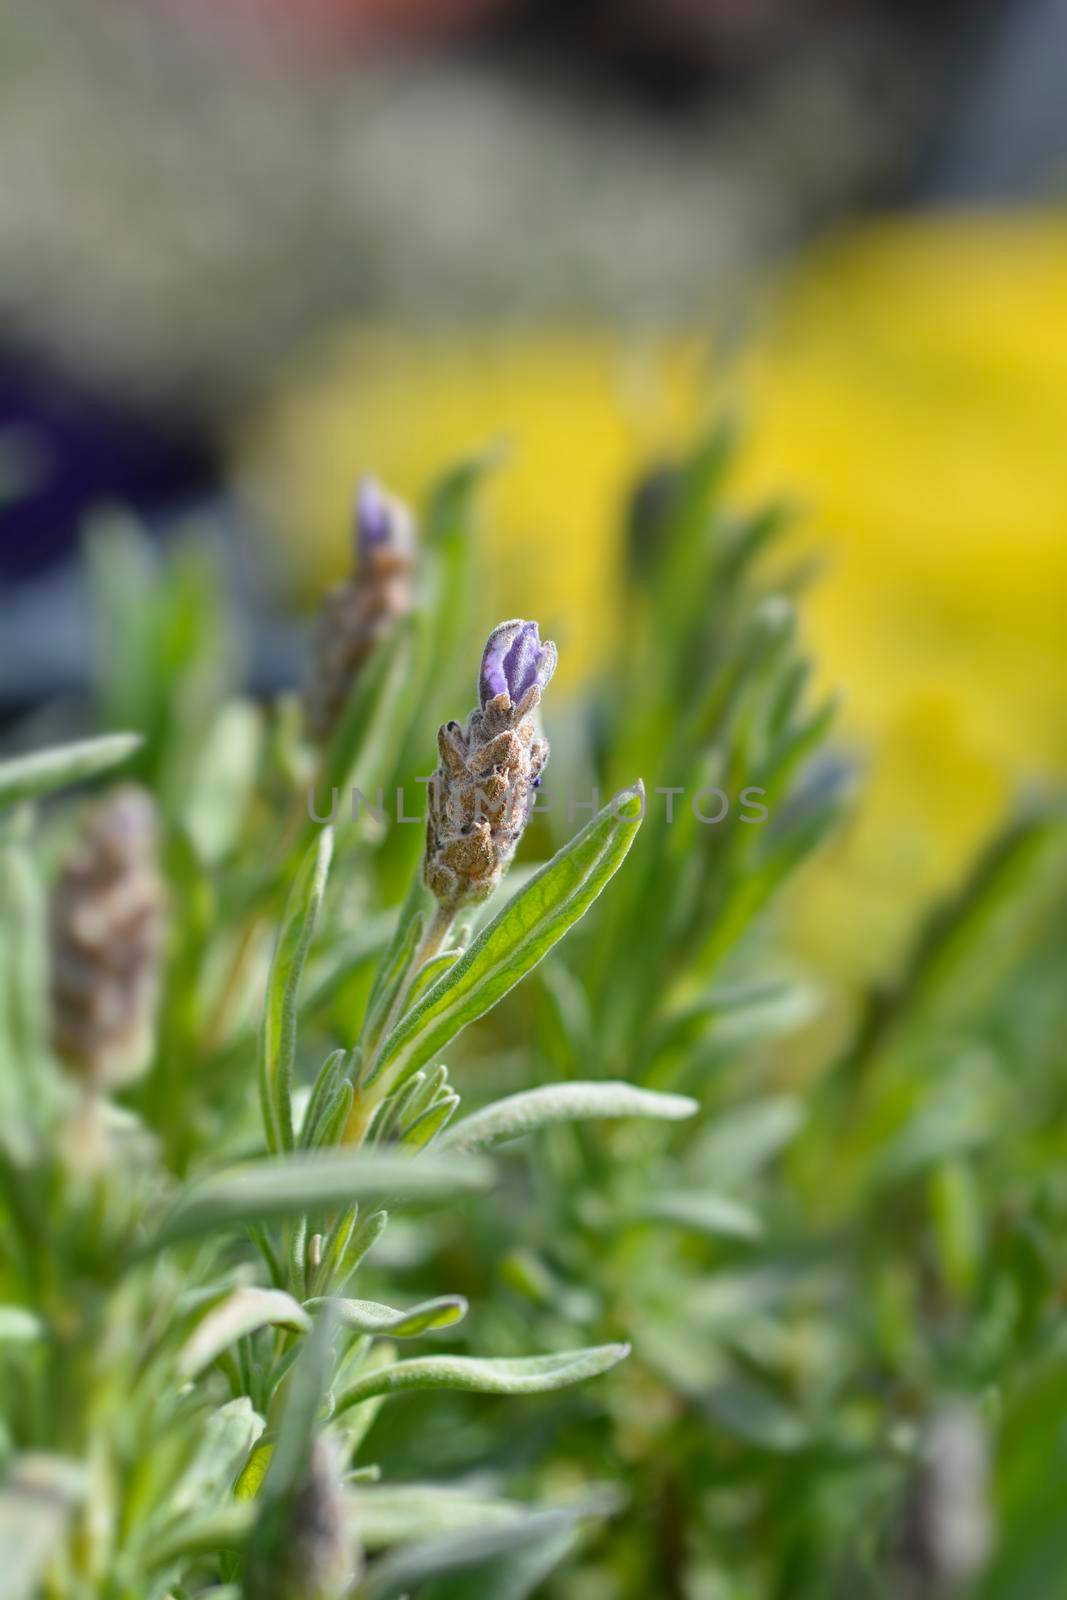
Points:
[[513, 661], [383, 523], [372, 514]]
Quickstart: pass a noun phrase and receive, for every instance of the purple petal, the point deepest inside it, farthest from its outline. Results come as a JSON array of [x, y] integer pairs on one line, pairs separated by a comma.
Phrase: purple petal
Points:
[[374, 518], [513, 660]]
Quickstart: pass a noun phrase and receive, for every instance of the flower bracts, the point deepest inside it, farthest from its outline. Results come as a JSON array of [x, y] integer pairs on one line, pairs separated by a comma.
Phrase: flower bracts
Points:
[[107, 935], [482, 792], [359, 612]]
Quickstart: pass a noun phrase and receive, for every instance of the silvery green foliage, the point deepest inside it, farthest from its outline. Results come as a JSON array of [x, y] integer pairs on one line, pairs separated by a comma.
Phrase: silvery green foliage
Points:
[[192, 1365], [284, 1319]]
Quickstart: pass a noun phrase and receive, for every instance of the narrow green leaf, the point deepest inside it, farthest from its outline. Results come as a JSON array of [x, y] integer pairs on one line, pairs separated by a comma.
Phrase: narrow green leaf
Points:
[[27, 777], [713, 1214], [742, 1141], [229, 1436], [203, 1533], [242, 1312], [37, 1497], [278, 1038], [291, 1185], [368, 1316], [399, 1513], [355, 755], [18, 1326], [518, 938], [394, 964], [403, 1572], [562, 1102], [524, 1375]]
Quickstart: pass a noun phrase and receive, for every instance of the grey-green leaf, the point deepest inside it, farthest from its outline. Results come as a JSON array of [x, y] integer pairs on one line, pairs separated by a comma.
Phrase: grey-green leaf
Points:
[[518, 938], [28, 777], [37, 1497], [242, 1312], [524, 1375], [18, 1326], [404, 1571], [291, 1185], [399, 1513], [368, 1316], [278, 1038], [713, 1214], [519, 1114]]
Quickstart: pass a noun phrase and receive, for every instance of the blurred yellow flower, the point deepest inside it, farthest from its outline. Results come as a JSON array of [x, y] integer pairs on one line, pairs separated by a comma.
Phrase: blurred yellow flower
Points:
[[908, 384]]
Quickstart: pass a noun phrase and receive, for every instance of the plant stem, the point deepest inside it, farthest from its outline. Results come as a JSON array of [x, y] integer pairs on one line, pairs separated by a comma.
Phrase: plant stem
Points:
[[428, 946]]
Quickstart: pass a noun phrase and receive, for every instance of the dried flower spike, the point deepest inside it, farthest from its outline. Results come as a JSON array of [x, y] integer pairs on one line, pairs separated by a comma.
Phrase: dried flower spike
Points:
[[359, 612], [106, 940], [483, 790]]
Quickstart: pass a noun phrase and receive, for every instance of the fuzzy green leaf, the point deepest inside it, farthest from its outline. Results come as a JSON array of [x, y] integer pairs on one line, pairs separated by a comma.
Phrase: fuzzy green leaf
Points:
[[399, 1513], [27, 777], [562, 1102], [278, 1038], [242, 1312], [292, 1185], [713, 1214], [18, 1326], [518, 938], [37, 1497], [368, 1316], [406, 1570], [524, 1375]]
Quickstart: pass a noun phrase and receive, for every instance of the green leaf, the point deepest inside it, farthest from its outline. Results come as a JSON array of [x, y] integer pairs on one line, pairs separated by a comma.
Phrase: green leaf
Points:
[[37, 1496], [278, 1038], [356, 753], [522, 1375], [739, 1143], [393, 967], [713, 1214], [524, 1113], [27, 777], [202, 1533], [518, 938], [399, 1513], [752, 1412], [368, 1316], [404, 1571], [18, 1326], [242, 1312], [291, 1185], [229, 1435]]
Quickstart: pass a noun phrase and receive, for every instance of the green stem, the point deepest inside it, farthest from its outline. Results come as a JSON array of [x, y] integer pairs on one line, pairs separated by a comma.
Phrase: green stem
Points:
[[366, 1101]]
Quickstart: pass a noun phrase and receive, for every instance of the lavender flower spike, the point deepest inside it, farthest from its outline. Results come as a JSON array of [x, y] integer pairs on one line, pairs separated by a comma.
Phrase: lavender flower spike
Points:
[[483, 790], [357, 614], [514, 659]]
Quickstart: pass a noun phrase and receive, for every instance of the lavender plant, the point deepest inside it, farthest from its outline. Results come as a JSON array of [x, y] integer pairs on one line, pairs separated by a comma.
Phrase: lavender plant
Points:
[[237, 1178], [181, 1418]]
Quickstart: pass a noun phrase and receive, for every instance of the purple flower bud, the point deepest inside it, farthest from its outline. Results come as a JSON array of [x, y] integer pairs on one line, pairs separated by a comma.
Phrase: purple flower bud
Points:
[[382, 522], [372, 514], [514, 659]]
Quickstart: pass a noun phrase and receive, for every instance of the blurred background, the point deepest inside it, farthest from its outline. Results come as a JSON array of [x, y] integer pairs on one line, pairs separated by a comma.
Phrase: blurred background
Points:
[[251, 248]]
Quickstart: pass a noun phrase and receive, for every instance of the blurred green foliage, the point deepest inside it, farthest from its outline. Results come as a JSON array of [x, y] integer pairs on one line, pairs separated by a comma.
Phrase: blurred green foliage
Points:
[[829, 1288]]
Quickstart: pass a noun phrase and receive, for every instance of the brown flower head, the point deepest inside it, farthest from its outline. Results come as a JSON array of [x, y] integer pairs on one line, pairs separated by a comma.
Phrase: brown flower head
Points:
[[106, 942]]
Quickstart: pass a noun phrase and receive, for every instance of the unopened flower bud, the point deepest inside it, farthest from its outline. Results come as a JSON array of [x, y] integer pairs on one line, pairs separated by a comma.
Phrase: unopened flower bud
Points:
[[358, 613], [483, 790], [106, 943]]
